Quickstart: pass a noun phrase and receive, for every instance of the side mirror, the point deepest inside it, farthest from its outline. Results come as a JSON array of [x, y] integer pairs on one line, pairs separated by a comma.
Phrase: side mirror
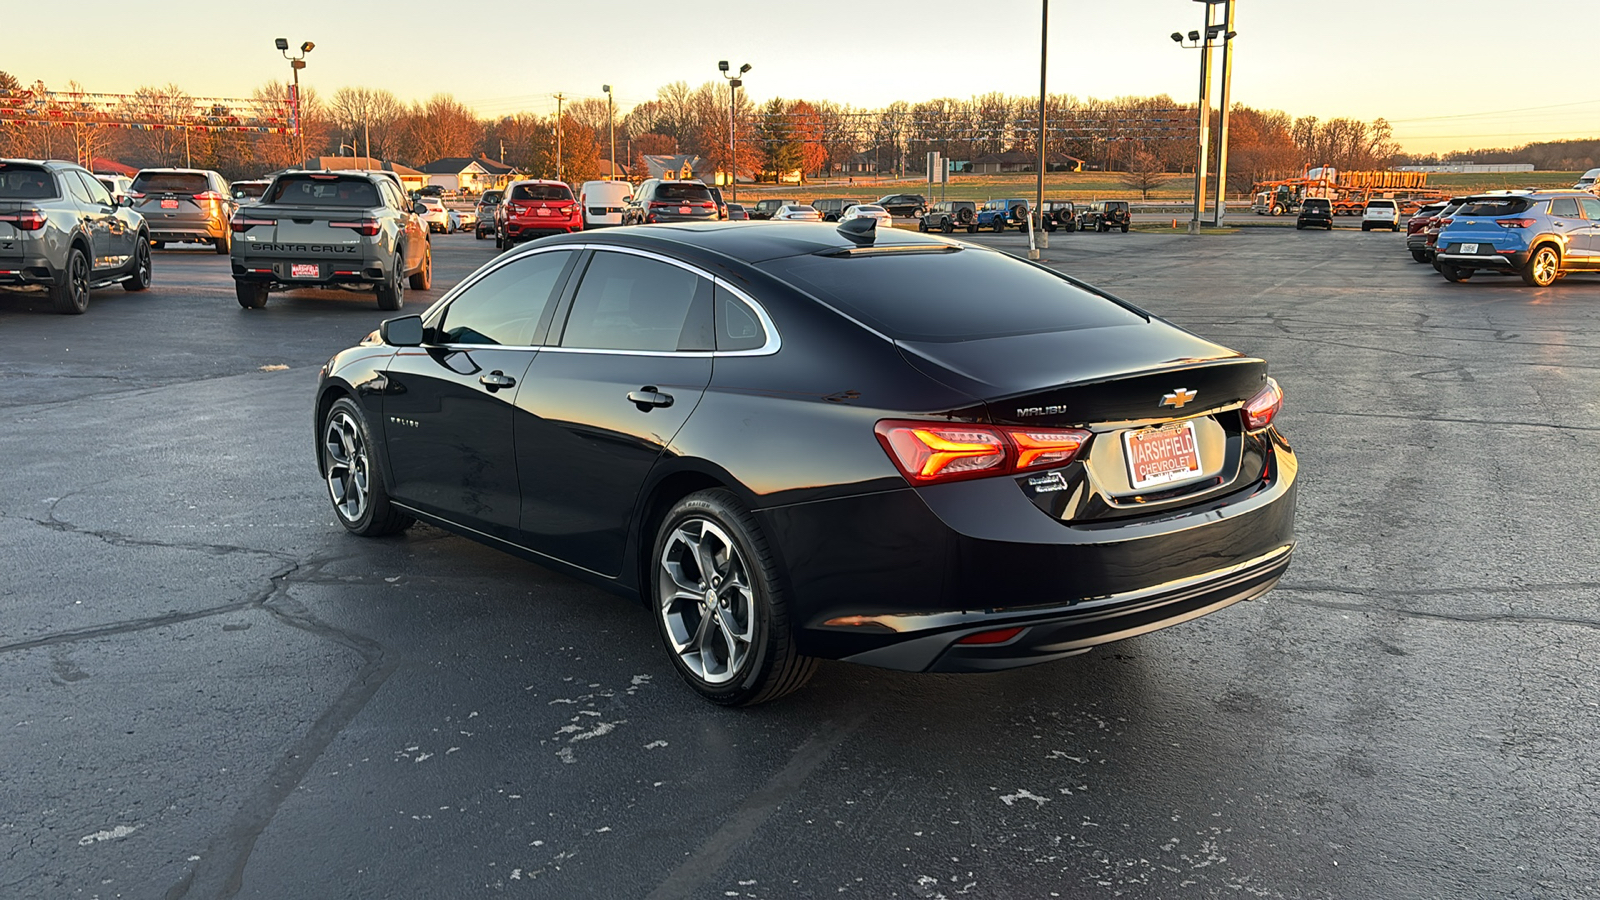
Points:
[[405, 331], [419, 208], [122, 200]]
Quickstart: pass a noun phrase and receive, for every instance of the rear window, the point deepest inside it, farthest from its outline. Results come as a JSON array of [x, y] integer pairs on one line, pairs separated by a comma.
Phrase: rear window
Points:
[[1495, 206], [934, 297], [25, 183], [541, 192], [324, 190], [174, 182], [1316, 204], [243, 190], [682, 192], [490, 197], [1380, 204]]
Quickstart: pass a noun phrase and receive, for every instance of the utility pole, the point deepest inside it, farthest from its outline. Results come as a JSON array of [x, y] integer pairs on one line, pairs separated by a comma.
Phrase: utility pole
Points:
[[1204, 124], [611, 129], [559, 99], [366, 129], [1222, 126], [1044, 44]]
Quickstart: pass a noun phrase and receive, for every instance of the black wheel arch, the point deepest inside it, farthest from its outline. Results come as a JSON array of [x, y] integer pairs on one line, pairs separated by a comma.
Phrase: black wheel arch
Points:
[[670, 482]]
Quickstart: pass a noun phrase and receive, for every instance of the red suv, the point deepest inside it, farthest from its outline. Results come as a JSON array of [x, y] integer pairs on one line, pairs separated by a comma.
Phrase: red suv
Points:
[[534, 208]]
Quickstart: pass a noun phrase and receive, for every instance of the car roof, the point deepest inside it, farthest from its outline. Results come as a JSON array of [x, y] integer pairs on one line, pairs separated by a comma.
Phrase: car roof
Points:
[[747, 242]]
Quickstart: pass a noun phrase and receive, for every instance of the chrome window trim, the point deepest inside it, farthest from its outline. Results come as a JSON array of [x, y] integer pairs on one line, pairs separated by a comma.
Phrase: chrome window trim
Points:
[[773, 344]]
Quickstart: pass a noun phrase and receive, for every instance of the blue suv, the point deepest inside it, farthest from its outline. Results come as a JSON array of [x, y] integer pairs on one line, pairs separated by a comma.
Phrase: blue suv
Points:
[[1540, 235], [1000, 214]]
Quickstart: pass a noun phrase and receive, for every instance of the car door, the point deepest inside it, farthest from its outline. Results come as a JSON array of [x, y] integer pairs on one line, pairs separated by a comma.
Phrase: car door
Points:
[[1568, 223], [120, 235], [1589, 243], [619, 376], [97, 220], [447, 409]]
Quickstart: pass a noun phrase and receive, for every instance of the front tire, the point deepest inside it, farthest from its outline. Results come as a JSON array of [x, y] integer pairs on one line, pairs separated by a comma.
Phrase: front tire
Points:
[[720, 605], [922, 226], [1419, 256], [999, 225], [139, 278], [71, 296], [352, 470], [1542, 268]]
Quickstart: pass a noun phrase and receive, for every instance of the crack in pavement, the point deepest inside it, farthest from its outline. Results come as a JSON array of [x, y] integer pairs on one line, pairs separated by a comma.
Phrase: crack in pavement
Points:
[[1484, 618], [1450, 420]]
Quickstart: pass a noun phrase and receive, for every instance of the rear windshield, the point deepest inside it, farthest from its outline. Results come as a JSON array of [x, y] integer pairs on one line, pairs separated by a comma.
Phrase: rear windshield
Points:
[[1316, 204], [324, 190], [25, 183], [1380, 204], [931, 296], [490, 197], [682, 192], [1495, 206], [541, 192], [1116, 205], [176, 182]]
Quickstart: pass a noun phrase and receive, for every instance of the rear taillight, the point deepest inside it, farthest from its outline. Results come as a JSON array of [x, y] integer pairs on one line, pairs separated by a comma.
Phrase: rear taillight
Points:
[[208, 195], [26, 220], [1516, 223], [707, 205], [1442, 222], [1264, 406], [242, 223], [135, 195], [931, 452], [368, 227], [656, 204]]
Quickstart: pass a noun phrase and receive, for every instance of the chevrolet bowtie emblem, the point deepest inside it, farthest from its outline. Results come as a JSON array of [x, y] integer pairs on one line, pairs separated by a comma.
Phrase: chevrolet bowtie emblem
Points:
[[1178, 399]]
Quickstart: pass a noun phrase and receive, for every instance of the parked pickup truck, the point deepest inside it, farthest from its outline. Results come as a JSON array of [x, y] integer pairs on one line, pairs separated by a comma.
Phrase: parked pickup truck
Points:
[[350, 230]]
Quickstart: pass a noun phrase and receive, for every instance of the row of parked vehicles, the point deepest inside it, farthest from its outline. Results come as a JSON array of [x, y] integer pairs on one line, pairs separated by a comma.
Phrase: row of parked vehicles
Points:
[[1539, 235]]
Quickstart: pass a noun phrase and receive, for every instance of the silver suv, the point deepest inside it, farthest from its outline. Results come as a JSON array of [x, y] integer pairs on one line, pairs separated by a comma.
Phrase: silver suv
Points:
[[61, 230], [184, 205]]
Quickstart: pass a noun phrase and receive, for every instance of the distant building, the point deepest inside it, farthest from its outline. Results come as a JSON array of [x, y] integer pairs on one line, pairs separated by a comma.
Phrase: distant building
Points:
[[465, 173], [410, 178], [1469, 168], [1013, 161]]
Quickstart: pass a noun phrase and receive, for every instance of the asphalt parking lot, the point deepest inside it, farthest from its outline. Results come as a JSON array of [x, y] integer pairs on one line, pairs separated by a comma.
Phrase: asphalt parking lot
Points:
[[208, 689]]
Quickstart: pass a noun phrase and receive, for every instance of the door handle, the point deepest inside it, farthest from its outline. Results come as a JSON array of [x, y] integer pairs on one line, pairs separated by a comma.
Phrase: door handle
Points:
[[647, 398], [496, 380]]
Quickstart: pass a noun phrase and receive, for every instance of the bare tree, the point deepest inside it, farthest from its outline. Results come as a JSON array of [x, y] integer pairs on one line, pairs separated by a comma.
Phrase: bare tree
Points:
[[358, 114], [1145, 174], [441, 128]]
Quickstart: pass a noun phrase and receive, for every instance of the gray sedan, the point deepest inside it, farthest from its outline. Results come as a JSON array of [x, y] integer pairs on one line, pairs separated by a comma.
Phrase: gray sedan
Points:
[[61, 230]]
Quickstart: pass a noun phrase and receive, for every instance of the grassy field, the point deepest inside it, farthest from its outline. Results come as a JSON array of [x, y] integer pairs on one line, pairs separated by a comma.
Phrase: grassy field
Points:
[[1090, 186]]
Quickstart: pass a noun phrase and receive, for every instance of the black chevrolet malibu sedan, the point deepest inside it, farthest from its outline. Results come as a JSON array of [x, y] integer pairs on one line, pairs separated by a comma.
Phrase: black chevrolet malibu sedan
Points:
[[795, 442]]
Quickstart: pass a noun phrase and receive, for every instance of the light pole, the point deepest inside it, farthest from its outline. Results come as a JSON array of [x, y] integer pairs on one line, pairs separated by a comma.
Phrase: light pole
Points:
[[1038, 205], [1203, 42], [1222, 125], [296, 63], [611, 129], [735, 81], [559, 99]]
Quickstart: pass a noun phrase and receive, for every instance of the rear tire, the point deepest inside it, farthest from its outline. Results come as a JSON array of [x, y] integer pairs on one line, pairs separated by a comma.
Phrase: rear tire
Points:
[[251, 294], [139, 278], [727, 630], [1451, 273], [922, 226], [1124, 229], [1543, 267], [224, 244], [423, 278], [1366, 226], [353, 472], [71, 296], [392, 292], [999, 224]]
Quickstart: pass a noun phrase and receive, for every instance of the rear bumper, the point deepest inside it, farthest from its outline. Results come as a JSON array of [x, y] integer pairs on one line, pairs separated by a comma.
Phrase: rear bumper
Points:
[[1513, 260], [896, 579], [179, 230], [278, 272], [518, 229], [28, 271]]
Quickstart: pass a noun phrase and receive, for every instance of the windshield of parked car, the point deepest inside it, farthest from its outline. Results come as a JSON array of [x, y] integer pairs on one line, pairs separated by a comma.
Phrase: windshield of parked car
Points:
[[541, 192], [172, 182], [25, 183], [933, 296], [323, 190], [490, 198], [1495, 206], [867, 207]]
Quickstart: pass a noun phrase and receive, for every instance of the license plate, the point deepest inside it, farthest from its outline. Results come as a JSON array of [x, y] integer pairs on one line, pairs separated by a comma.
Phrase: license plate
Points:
[[541, 211], [169, 204], [1161, 455], [684, 210], [305, 270], [1469, 248]]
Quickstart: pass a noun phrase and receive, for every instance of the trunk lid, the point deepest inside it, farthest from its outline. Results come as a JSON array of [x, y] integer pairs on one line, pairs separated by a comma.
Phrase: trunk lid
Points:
[[1093, 376], [303, 232]]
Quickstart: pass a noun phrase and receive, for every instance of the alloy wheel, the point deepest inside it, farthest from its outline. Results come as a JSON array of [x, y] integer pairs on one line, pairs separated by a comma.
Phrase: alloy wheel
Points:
[[1544, 266], [707, 602], [80, 279], [346, 465]]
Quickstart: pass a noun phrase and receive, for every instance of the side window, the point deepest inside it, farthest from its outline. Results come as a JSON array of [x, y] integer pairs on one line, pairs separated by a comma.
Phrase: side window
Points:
[[1564, 206], [76, 186], [738, 327], [628, 302], [504, 307], [97, 191], [1591, 207]]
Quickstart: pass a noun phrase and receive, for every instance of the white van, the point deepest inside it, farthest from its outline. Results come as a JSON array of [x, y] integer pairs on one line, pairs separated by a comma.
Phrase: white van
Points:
[[1588, 181], [602, 202]]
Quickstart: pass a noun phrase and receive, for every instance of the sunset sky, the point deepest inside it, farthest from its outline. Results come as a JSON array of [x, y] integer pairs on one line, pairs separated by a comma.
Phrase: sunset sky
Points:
[[1447, 75]]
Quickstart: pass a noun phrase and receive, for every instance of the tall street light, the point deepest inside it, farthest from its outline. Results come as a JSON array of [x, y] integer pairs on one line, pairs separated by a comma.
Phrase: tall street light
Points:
[[1222, 125], [735, 81], [1203, 41], [611, 127], [296, 63], [1038, 205]]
